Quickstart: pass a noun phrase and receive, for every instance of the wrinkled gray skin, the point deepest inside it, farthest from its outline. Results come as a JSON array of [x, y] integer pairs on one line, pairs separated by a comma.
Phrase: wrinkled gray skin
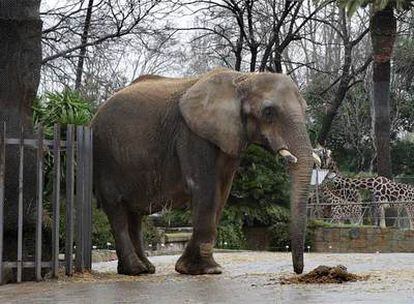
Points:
[[164, 142]]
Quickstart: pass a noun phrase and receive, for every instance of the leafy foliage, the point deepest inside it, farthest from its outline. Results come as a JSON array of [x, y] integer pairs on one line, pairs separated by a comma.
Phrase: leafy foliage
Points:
[[151, 234], [403, 157], [404, 59], [101, 230], [66, 107], [175, 218], [229, 232], [259, 197], [350, 135], [316, 94], [63, 108], [352, 6], [260, 180], [235, 217]]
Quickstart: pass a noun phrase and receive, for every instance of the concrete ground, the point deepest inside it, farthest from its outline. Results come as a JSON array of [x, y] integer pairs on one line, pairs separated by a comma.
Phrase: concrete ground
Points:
[[249, 277]]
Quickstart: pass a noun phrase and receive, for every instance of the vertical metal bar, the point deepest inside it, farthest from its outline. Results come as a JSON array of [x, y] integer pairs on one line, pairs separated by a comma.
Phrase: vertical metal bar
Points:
[[56, 200], [39, 205], [70, 190], [87, 199], [2, 177], [20, 209], [90, 193], [316, 208], [79, 258]]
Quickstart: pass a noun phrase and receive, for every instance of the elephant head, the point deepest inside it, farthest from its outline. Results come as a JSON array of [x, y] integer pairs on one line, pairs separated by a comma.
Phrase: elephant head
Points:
[[234, 109]]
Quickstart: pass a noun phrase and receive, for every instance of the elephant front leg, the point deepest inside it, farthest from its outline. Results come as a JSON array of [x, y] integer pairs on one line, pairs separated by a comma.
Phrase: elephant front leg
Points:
[[208, 173], [209, 195], [198, 255]]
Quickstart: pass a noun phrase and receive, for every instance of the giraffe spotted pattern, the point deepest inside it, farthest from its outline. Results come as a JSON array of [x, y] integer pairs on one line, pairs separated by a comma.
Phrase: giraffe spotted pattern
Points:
[[339, 204], [386, 193]]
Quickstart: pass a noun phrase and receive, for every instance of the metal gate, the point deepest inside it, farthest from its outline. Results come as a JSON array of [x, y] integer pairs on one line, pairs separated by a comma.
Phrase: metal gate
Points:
[[77, 151]]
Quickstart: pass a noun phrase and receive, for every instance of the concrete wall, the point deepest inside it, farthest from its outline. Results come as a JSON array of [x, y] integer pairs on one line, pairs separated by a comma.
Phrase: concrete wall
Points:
[[362, 239]]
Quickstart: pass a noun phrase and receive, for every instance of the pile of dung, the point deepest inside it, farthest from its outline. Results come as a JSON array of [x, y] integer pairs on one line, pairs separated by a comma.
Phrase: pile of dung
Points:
[[323, 275]]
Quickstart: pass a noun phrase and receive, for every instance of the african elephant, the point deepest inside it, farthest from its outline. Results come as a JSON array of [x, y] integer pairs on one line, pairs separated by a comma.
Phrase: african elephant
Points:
[[167, 141]]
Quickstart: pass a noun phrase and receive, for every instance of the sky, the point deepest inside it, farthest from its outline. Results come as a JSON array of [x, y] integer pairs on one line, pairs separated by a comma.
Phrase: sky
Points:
[[126, 66]]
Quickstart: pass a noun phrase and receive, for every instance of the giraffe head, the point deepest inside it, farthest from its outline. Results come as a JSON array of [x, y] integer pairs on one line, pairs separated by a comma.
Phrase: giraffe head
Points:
[[334, 180], [331, 175], [326, 158]]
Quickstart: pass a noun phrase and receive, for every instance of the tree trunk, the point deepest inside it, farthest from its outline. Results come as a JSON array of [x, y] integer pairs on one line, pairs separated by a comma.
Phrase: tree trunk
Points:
[[277, 61], [20, 61], [253, 58], [20, 57], [238, 53], [383, 27], [82, 51]]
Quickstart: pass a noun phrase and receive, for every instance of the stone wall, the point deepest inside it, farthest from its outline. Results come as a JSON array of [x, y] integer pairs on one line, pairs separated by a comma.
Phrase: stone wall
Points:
[[362, 239]]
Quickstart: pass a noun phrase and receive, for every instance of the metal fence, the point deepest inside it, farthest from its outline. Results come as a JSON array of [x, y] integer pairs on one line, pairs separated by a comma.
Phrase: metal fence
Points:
[[77, 152], [370, 212]]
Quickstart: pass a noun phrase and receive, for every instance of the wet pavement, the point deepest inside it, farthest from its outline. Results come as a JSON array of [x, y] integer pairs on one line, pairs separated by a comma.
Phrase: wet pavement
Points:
[[249, 277]]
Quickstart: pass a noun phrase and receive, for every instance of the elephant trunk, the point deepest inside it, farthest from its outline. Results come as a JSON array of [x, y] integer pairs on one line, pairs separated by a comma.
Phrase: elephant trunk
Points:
[[299, 144]]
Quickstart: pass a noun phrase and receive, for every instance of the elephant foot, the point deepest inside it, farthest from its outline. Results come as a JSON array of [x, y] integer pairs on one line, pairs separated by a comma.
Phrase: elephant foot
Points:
[[132, 265], [196, 267], [150, 267], [196, 263]]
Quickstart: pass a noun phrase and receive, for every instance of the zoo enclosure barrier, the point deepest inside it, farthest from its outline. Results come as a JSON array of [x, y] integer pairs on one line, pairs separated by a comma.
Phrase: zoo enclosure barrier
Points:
[[369, 211], [77, 151]]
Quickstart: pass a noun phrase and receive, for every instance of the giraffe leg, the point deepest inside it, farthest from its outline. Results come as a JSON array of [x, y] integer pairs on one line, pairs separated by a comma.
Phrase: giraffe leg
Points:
[[382, 217], [410, 215], [398, 221]]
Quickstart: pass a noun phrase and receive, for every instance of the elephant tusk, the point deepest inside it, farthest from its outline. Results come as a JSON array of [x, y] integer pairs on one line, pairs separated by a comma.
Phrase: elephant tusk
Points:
[[317, 159], [288, 156]]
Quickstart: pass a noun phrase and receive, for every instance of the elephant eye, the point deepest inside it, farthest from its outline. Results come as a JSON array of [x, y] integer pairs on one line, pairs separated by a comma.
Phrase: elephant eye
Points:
[[269, 114]]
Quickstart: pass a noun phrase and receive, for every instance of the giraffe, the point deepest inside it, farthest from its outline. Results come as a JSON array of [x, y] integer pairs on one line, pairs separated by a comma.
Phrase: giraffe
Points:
[[384, 191], [338, 204], [342, 199]]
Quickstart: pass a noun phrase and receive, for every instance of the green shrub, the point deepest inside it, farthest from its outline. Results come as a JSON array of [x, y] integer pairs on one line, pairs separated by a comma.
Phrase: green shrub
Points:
[[66, 107], [175, 218], [63, 108], [151, 234], [230, 237], [403, 158], [101, 230], [260, 179], [279, 236], [259, 197]]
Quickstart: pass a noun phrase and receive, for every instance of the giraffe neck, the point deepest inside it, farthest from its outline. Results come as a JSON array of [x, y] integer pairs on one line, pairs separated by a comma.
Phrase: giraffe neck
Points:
[[355, 183]]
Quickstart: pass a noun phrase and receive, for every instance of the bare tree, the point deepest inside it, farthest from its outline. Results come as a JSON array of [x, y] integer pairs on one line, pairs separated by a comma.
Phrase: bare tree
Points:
[[73, 29], [251, 35], [84, 41], [343, 81]]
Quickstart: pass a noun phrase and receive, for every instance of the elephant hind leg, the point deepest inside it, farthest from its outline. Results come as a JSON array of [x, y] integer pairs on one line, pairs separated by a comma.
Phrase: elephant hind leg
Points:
[[128, 261], [137, 238]]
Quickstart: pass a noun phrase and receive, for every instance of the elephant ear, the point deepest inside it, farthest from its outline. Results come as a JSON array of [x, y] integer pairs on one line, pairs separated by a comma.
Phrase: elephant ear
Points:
[[211, 109]]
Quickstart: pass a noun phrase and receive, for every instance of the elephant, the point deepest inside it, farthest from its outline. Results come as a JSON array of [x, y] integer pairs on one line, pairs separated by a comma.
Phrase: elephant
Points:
[[172, 141]]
